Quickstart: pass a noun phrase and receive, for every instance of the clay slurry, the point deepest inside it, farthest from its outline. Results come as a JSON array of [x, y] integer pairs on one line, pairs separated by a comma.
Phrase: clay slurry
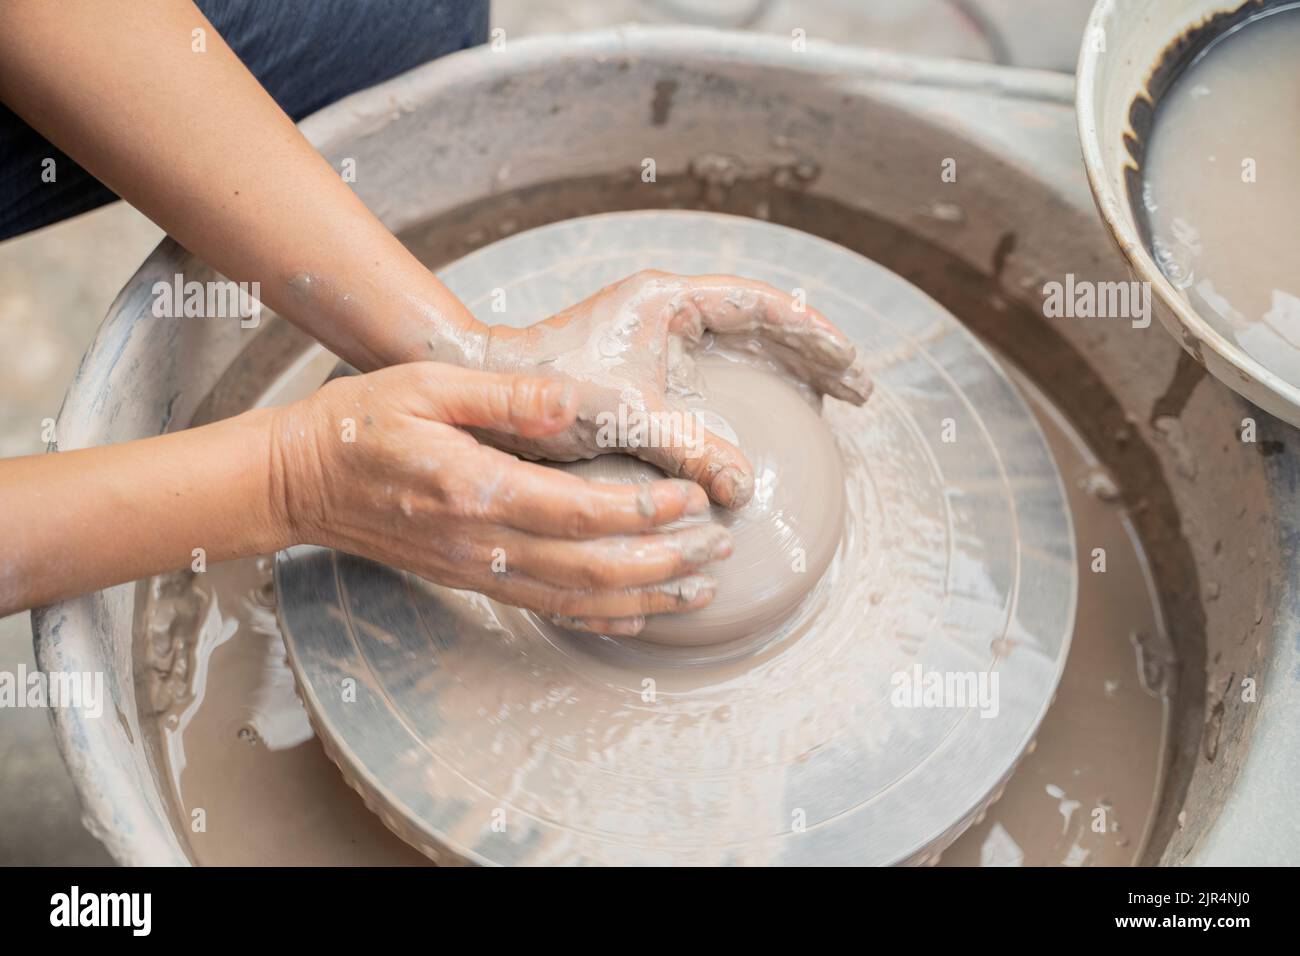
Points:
[[786, 535], [1221, 192]]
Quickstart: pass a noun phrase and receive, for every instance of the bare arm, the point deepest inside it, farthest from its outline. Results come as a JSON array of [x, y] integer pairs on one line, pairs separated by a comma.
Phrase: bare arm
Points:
[[193, 141], [406, 488], [82, 520]]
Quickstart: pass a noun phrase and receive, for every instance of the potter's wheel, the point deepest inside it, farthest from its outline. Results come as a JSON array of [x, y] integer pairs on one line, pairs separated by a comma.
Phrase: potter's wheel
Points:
[[479, 732]]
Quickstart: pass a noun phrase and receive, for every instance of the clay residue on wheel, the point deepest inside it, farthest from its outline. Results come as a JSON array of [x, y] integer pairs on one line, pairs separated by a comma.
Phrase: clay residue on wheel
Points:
[[779, 193], [963, 289]]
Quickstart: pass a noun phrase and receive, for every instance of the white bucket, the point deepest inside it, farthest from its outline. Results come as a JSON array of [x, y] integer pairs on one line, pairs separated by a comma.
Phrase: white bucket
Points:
[[1132, 51]]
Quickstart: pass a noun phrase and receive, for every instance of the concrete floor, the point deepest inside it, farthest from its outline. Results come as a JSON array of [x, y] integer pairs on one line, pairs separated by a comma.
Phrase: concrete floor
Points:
[[57, 284]]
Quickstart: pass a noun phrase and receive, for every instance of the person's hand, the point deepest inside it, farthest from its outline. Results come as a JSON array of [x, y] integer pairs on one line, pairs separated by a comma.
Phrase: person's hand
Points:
[[630, 344], [376, 465]]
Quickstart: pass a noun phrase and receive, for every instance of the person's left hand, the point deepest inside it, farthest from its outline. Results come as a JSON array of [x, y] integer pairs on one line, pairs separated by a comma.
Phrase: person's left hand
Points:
[[630, 344]]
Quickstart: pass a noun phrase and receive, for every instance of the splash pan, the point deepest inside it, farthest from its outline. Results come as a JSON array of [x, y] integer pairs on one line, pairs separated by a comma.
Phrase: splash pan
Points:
[[870, 728]]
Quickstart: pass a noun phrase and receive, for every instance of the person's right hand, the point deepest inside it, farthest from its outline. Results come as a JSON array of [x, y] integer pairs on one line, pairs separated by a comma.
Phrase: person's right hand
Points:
[[375, 465], [629, 350]]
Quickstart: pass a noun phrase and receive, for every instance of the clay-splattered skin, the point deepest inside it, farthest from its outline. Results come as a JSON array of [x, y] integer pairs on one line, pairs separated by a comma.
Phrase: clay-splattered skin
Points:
[[278, 214], [631, 344], [378, 465], [411, 488]]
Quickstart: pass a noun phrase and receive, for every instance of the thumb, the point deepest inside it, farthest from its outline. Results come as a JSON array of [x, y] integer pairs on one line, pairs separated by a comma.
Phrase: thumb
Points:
[[525, 405]]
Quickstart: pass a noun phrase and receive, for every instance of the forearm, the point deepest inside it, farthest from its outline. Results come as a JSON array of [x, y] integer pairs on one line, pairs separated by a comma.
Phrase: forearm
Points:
[[192, 140], [78, 521]]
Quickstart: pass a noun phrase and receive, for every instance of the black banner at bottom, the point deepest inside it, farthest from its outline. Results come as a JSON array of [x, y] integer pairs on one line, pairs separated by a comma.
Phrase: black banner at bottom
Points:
[[333, 906]]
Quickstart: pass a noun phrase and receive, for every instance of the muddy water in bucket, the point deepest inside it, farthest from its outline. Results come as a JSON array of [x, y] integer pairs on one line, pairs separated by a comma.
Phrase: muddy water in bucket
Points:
[[240, 750], [1221, 190]]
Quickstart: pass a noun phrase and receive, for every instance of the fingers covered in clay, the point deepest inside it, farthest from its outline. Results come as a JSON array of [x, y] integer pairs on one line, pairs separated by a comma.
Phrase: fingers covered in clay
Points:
[[380, 466], [630, 349], [617, 626], [566, 605], [806, 342], [620, 561], [545, 501], [524, 405], [702, 456]]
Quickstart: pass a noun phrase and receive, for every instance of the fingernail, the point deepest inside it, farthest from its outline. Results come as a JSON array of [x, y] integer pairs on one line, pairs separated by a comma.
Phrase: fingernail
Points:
[[733, 487], [627, 626], [723, 547], [645, 503], [697, 502], [858, 385], [694, 591], [711, 543]]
